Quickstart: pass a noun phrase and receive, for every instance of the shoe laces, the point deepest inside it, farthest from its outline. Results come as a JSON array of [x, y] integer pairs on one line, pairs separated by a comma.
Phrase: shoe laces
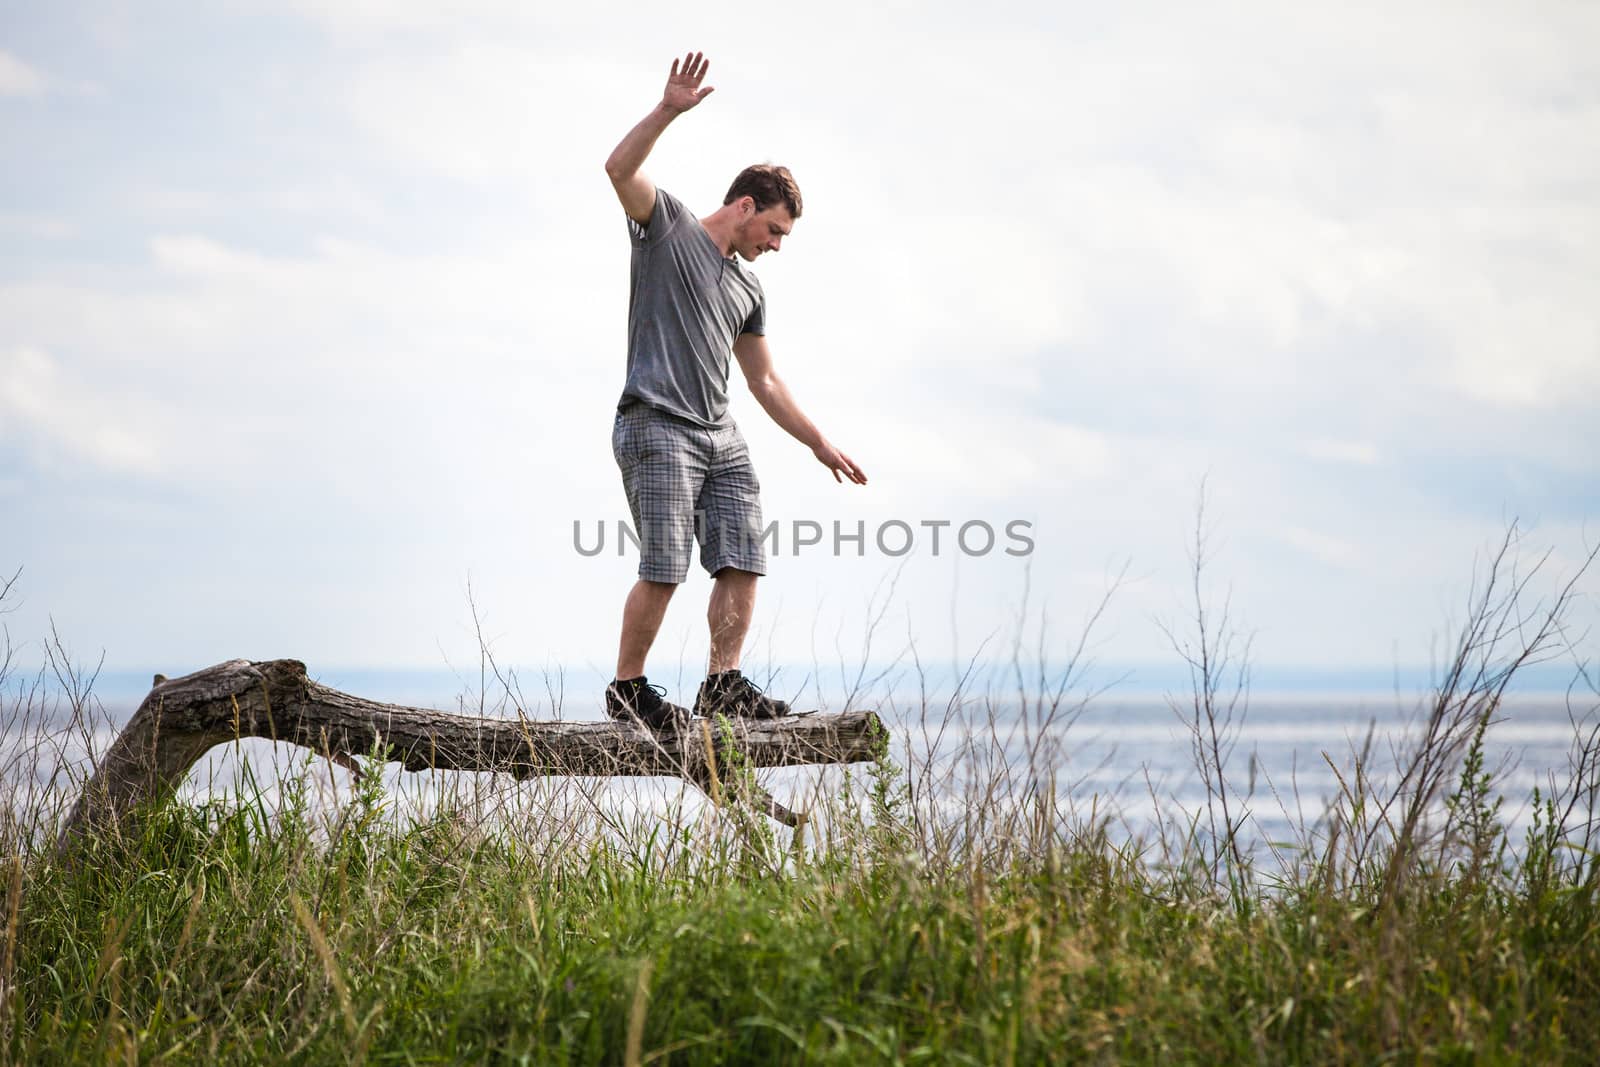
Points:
[[623, 694], [744, 686], [659, 690]]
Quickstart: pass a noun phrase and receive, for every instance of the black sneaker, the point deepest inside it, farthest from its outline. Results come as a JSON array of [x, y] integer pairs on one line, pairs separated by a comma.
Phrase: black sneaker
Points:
[[731, 693], [636, 700]]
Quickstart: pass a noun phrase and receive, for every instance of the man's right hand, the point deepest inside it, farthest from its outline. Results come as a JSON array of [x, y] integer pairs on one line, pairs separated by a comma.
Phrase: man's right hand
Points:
[[683, 84], [634, 189]]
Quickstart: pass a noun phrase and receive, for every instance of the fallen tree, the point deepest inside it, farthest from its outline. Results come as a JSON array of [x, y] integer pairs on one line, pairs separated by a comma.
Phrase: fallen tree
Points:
[[184, 717]]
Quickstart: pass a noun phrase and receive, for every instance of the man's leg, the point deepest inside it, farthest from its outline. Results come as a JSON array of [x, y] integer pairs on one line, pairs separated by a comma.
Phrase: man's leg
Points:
[[733, 602], [630, 696], [726, 691], [641, 621], [732, 552], [661, 473]]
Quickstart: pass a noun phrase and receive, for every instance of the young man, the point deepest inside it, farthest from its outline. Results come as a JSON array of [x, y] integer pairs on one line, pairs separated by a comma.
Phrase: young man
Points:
[[694, 308]]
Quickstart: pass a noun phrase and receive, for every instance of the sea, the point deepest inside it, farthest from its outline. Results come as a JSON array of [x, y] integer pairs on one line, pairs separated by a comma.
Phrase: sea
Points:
[[1135, 762]]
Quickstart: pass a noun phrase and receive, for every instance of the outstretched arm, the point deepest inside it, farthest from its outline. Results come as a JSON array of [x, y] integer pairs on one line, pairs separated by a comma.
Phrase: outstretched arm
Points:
[[636, 191], [755, 359]]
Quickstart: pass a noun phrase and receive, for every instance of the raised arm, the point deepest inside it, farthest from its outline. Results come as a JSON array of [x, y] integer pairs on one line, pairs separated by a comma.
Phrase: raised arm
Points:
[[755, 360], [636, 191]]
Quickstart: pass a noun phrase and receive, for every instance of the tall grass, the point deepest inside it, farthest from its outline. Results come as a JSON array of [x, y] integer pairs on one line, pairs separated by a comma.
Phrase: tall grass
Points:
[[956, 902]]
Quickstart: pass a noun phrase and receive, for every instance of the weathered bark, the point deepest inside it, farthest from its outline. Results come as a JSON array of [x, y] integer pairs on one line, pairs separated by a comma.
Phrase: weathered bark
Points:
[[184, 717]]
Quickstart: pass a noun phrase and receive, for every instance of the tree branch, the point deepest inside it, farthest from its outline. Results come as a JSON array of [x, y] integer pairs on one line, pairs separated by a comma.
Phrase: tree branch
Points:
[[182, 718]]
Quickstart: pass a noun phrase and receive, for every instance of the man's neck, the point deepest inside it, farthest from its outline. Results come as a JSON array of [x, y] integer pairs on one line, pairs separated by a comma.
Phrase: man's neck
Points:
[[720, 224]]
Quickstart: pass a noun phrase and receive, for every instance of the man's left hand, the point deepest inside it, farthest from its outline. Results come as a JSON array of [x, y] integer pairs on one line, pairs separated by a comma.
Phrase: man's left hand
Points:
[[839, 464]]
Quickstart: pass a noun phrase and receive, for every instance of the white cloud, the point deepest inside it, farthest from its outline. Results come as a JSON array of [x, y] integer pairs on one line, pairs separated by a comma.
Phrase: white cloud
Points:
[[352, 340], [58, 414], [1318, 544], [18, 78], [990, 455], [1363, 453], [363, 17], [1267, 185], [487, 110], [1064, 280], [46, 227]]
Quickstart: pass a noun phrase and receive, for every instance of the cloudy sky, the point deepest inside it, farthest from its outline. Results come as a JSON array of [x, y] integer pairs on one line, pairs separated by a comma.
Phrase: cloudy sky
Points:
[[311, 314]]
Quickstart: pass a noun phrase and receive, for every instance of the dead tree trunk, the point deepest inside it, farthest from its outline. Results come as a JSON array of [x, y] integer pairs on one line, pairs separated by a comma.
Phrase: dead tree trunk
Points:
[[184, 717]]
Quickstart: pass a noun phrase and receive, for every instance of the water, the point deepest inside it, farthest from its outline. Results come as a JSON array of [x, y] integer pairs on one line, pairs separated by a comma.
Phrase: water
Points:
[[1284, 760], [1134, 759]]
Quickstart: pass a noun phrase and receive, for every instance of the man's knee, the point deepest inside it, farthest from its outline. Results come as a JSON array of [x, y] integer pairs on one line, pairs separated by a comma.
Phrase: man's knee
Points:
[[658, 590], [734, 574], [650, 596]]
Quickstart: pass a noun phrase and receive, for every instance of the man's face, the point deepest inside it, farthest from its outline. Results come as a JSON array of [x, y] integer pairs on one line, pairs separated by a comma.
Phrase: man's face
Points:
[[762, 231]]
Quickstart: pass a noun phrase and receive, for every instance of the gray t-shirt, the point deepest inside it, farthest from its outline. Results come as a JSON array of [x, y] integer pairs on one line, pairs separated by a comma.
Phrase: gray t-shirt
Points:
[[687, 306]]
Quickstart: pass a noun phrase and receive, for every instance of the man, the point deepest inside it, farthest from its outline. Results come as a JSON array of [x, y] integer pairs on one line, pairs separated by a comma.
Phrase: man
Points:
[[694, 308]]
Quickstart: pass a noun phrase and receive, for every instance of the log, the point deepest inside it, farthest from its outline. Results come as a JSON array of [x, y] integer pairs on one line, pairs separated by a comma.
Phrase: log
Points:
[[184, 717]]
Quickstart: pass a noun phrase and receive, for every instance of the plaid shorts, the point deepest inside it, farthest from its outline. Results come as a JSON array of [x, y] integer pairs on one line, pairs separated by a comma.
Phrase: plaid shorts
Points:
[[687, 483]]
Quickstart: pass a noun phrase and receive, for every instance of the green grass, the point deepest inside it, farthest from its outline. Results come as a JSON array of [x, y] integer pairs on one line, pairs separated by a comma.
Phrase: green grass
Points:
[[555, 925], [238, 933]]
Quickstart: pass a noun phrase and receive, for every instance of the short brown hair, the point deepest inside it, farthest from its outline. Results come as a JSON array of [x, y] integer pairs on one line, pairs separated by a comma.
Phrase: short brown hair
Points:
[[768, 185]]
